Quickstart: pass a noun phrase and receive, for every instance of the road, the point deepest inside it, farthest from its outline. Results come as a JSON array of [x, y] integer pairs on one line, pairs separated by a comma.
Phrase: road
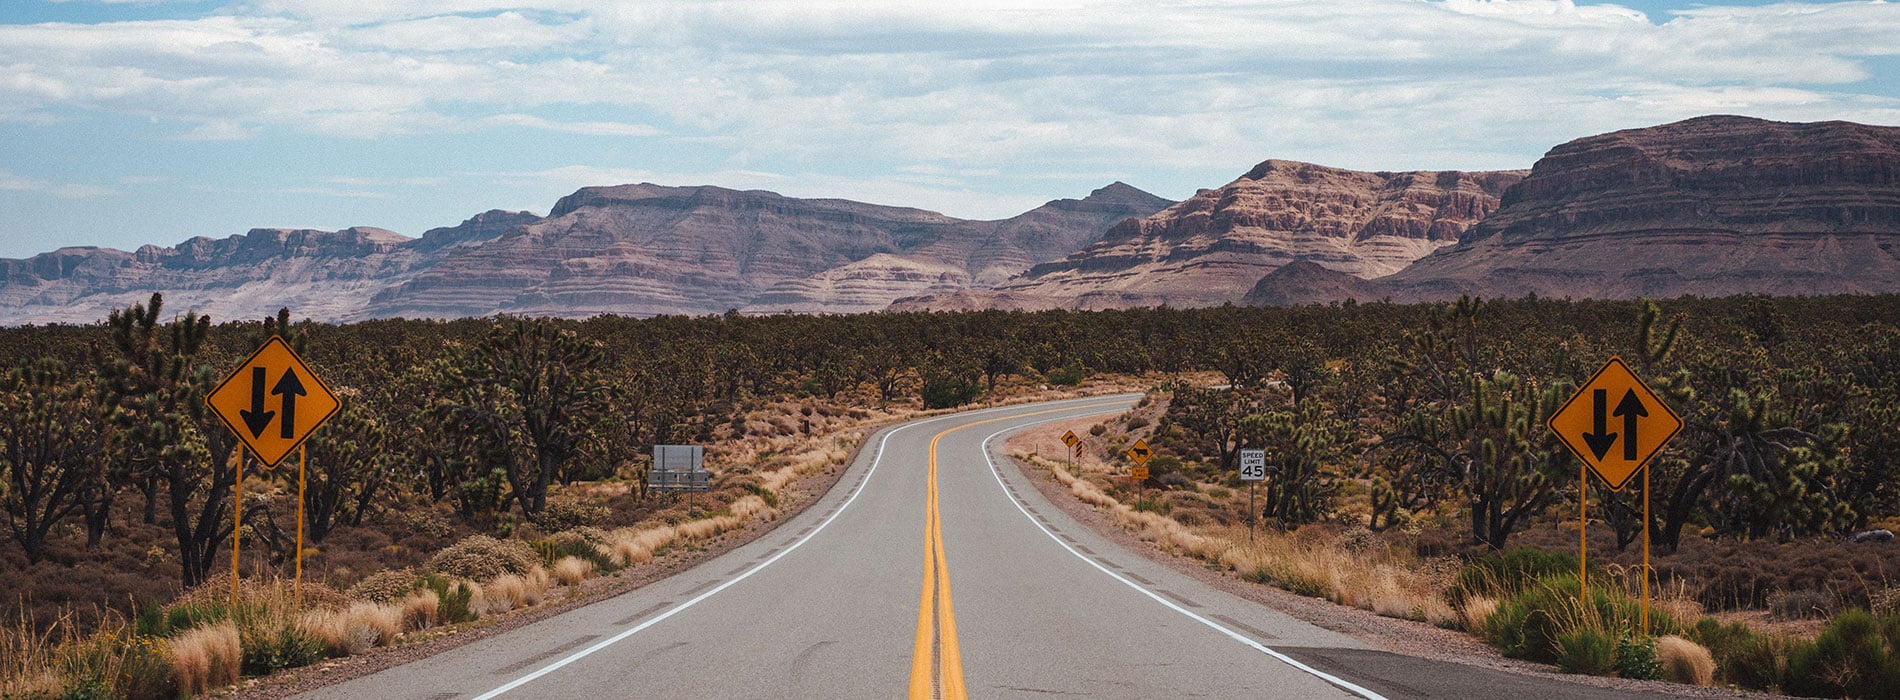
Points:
[[933, 569]]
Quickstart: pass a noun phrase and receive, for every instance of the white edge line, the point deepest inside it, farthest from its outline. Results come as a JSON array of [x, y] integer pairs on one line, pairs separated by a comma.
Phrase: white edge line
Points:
[[636, 629], [1344, 684]]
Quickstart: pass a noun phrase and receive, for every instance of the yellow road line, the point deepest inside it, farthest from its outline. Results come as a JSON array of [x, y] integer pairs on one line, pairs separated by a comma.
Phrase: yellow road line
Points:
[[937, 587]]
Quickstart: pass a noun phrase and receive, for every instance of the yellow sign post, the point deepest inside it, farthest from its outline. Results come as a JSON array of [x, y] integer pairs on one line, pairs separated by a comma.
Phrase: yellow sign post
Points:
[[272, 402], [1140, 453], [1614, 424]]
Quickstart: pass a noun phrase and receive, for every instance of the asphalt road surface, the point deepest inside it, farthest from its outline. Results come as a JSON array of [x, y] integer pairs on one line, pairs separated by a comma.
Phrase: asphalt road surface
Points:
[[933, 570]]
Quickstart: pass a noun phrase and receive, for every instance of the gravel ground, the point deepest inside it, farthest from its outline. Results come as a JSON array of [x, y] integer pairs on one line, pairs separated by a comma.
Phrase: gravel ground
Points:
[[1394, 635]]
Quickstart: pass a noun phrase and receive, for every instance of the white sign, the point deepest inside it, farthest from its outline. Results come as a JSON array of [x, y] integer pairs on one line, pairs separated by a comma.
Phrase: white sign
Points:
[[1253, 465]]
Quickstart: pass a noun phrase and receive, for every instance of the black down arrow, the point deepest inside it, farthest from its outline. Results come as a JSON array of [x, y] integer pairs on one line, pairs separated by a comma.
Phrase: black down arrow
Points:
[[257, 419], [1601, 440]]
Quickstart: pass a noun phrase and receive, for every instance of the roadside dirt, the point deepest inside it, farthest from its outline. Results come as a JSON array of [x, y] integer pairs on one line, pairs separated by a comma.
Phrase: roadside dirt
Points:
[[1404, 637]]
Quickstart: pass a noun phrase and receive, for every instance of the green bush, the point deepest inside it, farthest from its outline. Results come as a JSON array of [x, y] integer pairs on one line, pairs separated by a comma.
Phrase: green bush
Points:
[[452, 599], [573, 544], [1636, 658], [1504, 575], [385, 586], [1528, 624], [168, 620], [1067, 375], [949, 392], [113, 665], [273, 645], [1856, 656], [1585, 651], [1742, 656]]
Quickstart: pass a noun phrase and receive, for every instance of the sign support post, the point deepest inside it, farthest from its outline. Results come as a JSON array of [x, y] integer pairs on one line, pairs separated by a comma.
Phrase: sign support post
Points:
[[303, 456], [1584, 426], [237, 523], [1139, 454], [259, 402]]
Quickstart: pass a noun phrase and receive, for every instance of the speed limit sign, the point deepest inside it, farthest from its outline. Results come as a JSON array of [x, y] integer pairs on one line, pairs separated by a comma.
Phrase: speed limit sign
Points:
[[1253, 465]]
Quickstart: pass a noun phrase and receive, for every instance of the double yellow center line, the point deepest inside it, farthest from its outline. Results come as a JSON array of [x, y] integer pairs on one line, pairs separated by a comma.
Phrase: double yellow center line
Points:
[[938, 652], [937, 590]]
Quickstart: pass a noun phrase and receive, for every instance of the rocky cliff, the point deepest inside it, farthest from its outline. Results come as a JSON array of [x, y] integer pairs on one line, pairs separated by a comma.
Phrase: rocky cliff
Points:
[[1215, 246], [1709, 206], [632, 249]]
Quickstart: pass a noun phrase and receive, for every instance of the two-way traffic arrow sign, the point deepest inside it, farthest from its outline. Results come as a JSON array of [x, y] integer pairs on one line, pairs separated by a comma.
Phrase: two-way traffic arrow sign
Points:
[[244, 401], [1647, 424]]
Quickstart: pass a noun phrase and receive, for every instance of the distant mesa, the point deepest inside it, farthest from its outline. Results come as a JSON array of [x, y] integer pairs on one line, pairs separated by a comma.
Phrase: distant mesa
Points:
[[1710, 206]]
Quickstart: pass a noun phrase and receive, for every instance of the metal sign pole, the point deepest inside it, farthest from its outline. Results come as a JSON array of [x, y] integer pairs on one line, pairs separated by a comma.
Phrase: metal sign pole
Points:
[[1583, 524], [1250, 507], [302, 457], [237, 523], [1645, 551]]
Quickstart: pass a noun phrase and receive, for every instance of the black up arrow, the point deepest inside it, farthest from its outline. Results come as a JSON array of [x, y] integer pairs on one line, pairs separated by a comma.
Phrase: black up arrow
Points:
[[257, 419], [1601, 440], [291, 388], [1630, 408]]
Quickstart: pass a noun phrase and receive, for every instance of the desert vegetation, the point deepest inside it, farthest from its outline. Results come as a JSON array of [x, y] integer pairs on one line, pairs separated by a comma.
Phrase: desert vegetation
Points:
[[1410, 474], [482, 465]]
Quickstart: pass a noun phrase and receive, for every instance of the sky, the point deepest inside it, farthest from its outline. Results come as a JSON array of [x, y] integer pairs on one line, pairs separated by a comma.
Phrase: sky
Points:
[[127, 122]]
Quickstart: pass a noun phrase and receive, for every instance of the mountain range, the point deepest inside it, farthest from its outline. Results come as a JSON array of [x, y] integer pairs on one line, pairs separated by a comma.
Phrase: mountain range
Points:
[[1709, 206]]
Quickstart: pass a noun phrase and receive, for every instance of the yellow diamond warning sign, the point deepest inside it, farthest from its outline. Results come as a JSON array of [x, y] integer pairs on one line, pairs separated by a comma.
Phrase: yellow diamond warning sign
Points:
[[273, 401], [1140, 452], [1070, 439], [1615, 423]]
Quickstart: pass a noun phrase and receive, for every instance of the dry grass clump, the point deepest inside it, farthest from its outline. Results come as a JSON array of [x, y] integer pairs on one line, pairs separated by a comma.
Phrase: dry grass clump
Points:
[[419, 609], [571, 571], [26, 660], [628, 546], [513, 591], [1475, 611], [1684, 661], [205, 658], [752, 505]]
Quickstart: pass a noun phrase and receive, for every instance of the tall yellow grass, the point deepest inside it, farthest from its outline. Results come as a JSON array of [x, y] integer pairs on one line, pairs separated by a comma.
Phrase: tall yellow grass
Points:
[[419, 609], [206, 658], [1390, 581], [570, 571], [1684, 661], [26, 659]]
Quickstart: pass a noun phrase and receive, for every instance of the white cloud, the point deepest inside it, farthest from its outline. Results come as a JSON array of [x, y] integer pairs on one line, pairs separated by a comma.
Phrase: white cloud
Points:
[[588, 128], [1002, 87], [18, 183]]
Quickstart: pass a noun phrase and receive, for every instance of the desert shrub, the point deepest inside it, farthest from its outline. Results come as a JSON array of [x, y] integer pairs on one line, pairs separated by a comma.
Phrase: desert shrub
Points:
[[481, 557], [205, 658], [1742, 656], [454, 599], [1636, 658], [384, 586], [1527, 625], [1800, 605], [1585, 651], [1097, 430], [168, 620], [560, 516], [1856, 656], [112, 664], [577, 545], [1067, 375], [1504, 575], [1684, 661], [949, 392], [271, 644]]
